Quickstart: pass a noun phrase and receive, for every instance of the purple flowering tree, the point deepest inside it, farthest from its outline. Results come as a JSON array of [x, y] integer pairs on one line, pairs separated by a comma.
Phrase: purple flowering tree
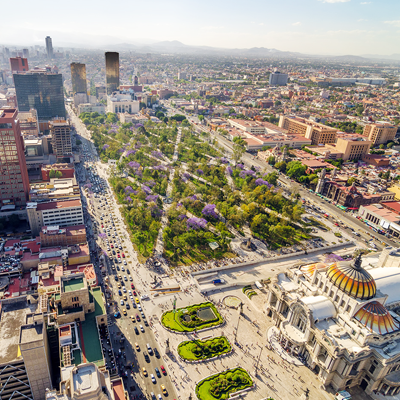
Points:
[[182, 216], [130, 151], [262, 182], [146, 189], [128, 198], [157, 154], [239, 166], [156, 212], [229, 170], [151, 184], [196, 223], [199, 172], [224, 160], [152, 197], [244, 174], [128, 189], [133, 164], [209, 211], [106, 146]]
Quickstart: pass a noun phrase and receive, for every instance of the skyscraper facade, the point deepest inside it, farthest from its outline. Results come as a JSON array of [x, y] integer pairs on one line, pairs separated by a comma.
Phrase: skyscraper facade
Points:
[[14, 181], [278, 79], [49, 47], [112, 72], [78, 78], [19, 64], [40, 90]]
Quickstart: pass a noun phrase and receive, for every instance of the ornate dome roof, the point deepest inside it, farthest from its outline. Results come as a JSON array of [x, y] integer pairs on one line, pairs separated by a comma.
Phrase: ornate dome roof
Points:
[[310, 268], [352, 279], [377, 318]]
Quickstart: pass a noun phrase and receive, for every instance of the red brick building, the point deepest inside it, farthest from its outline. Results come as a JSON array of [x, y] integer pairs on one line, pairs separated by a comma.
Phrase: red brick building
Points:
[[56, 236], [67, 170], [19, 64]]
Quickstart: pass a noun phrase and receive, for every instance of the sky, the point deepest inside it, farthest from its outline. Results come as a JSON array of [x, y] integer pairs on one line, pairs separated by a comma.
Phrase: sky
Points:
[[336, 27]]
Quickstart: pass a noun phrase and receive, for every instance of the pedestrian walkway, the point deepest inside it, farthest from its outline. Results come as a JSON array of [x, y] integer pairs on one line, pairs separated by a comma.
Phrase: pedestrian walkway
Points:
[[272, 336]]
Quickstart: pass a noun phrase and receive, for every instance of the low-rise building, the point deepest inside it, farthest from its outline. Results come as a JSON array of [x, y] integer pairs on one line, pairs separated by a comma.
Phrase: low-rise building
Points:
[[91, 108], [56, 189], [119, 102], [61, 213], [55, 236]]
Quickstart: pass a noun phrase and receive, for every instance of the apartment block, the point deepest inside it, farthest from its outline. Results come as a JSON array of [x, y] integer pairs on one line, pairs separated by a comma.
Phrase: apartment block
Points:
[[380, 133], [61, 213], [351, 149], [316, 132]]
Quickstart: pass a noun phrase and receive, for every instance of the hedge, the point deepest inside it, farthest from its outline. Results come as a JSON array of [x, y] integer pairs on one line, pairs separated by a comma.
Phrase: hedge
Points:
[[192, 350]]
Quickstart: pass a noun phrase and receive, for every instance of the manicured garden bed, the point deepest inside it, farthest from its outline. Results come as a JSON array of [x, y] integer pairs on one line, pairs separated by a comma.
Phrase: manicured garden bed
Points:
[[194, 350], [221, 385], [192, 318]]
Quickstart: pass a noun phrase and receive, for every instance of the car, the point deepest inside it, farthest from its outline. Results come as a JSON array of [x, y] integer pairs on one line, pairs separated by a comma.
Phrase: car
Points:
[[123, 255], [144, 371], [141, 328], [137, 300], [127, 306], [149, 349], [122, 302], [146, 357], [132, 286], [163, 370], [144, 297], [153, 378], [125, 278], [156, 353], [139, 307], [133, 318], [124, 297], [164, 390], [136, 330], [118, 255], [124, 289], [137, 347], [158, 373], [130, 278], [159, 396], [137, 318], [145, 322], [119, 292], [124, 311]]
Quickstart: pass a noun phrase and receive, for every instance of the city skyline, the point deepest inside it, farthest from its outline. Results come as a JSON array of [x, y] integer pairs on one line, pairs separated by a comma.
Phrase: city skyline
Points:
[[335, 27]]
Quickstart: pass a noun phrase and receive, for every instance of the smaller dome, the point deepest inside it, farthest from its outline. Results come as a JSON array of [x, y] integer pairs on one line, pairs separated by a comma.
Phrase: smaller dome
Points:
[[352, 279], [377, 318], [310, 268]]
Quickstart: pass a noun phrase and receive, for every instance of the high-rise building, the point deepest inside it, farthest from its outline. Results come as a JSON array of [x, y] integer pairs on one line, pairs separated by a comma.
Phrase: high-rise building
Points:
[[61, 138], [380, 133], [25, 53], [112, 72], [78, 78], [19, 64], [49, 47], [14, 181], [41, 90], [277, 78]]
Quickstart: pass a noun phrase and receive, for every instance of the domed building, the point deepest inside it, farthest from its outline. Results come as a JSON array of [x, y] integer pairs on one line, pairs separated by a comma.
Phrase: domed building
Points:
[[343, 320]]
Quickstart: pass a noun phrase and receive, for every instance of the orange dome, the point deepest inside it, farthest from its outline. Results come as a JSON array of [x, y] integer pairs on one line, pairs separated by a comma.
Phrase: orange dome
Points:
[[377, 318], [352, 279], [310, 268]]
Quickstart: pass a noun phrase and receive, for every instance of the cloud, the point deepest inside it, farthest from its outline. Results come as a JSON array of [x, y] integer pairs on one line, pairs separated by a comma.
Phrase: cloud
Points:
[[335, 1], [394, 23], [363, 3], [362, 20], [296, 23]]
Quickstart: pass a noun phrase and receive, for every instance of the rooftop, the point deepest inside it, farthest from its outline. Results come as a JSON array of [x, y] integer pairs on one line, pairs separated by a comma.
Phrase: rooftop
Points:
[[73, 284], [13, 316], [31, 333], [58, 204]]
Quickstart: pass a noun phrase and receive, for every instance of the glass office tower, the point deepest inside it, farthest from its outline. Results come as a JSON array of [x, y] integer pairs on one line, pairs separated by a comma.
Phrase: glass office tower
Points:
[[42, 91], [78, 78]]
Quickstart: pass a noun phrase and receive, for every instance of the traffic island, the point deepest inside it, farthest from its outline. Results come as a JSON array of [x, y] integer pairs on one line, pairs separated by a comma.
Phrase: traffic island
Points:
[[192, 318], [223, 385], [204, 350]]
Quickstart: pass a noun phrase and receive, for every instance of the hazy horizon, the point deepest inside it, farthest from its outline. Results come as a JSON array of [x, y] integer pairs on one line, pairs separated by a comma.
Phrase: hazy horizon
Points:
[[335, 27]]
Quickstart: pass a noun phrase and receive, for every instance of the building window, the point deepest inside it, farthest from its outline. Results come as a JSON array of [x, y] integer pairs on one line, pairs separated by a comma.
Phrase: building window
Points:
[[348, 309]]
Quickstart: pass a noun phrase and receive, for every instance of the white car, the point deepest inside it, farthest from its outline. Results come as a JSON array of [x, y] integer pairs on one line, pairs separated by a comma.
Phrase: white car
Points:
[[144, 297]]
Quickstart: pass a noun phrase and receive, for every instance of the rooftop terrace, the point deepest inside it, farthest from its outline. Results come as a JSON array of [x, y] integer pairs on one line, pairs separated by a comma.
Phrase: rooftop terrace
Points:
[[73, 284]]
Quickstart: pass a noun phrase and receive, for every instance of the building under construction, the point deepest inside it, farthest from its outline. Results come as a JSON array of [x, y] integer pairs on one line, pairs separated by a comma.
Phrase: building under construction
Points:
[[61, 138]]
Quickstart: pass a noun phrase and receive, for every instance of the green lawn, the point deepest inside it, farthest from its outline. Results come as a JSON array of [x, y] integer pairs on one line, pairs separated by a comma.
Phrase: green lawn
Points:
[[221, 385], [175, 321], [192, 350]]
